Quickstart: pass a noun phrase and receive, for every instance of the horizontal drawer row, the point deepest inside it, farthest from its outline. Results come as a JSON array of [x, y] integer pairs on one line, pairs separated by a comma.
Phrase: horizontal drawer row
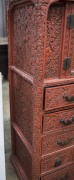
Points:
[[58, 133], [63, 174], [57, 140], [57, 160], [59, 97], [58, 120]]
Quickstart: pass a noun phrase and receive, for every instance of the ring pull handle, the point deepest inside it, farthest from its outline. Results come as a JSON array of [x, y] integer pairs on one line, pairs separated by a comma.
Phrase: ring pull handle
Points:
[[67, 122], [57, 163], [65, 142], [67, 98]]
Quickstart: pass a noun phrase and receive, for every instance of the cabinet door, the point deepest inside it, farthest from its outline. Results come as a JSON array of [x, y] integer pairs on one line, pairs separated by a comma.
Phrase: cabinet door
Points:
[[68, 42], [53, 37]]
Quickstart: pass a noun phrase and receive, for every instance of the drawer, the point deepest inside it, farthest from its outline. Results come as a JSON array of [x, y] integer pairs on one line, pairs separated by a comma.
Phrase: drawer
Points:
[[57, 140], [59, 97], [61, 119], [56, 160], [63, 174]]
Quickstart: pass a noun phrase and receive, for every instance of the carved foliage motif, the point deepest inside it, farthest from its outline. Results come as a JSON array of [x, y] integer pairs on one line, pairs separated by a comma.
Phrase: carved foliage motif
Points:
[[50, 140], [53, 40], [54, 96], [72, 47], [68, 41], [23, 38], [52, 120], [23, 106]]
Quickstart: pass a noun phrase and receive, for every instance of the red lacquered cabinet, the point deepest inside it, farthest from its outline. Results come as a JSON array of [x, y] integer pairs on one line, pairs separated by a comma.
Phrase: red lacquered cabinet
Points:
[[41, 72]]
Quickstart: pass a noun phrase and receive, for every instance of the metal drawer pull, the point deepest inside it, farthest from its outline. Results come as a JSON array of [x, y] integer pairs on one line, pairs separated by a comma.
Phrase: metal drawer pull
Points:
[[57, 163], [66, 177], [65, 142], [67, 122], [68, 99]]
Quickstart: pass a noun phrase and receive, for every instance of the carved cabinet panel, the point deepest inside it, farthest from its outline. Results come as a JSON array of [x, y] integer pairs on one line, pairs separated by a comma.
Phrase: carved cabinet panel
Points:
[[41, 75], [59, 42]]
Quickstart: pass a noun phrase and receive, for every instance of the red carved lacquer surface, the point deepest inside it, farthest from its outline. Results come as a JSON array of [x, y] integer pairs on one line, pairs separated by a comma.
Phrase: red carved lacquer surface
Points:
[[38, 41], [50, 140], [68, 41], [61, 174], [71, 71], [59, 42], [48, 162], [68, 11], [53, 40], [23, 106], [54, 97], [23, 157], [23, 38], [52, 121]]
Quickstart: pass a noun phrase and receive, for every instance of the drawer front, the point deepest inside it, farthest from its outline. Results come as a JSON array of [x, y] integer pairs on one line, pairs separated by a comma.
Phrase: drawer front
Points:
[[57, 140], [63, 174], [56, 160], [61, 119], [58, 97]]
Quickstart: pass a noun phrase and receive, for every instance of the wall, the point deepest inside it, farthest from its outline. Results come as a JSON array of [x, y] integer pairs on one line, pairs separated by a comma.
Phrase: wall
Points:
[[2, 18]]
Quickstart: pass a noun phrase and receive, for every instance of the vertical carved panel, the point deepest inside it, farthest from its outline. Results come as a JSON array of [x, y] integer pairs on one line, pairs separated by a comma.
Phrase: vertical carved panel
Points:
[[68, 41], [23, 106], [66, 38], [71, 71], [23, 37], [68, 11], [72, 50], [53, 40], [24, 158]]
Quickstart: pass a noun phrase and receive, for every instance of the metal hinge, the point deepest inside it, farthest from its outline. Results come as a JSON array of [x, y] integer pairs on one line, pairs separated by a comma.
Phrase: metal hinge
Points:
[[66, 63], [70, 21]]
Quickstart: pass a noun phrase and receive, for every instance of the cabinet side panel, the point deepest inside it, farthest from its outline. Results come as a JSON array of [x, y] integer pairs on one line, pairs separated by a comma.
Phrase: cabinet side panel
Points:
[[23, 37], [22, 91], [24, 157], [21, 125], [21, 62]]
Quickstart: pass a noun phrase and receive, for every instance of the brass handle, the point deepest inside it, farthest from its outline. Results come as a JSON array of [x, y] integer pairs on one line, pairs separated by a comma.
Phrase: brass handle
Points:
[[68, 99], [67, 122], [66, 177], [57, 163], [65, 142]]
